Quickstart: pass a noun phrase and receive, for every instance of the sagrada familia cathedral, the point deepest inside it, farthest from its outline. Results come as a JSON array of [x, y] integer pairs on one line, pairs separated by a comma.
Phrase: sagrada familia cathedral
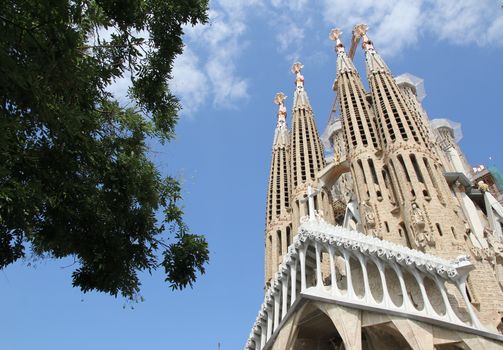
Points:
[[395, 241]]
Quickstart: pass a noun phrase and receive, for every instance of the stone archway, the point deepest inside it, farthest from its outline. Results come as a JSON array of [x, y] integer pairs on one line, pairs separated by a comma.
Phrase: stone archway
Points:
[[316, 331], [384, 337]]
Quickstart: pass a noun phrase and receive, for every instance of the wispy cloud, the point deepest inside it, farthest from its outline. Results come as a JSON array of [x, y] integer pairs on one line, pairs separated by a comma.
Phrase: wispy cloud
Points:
[[209, 70], [290, 39], [397, 24], [221, 43], [190, 83]]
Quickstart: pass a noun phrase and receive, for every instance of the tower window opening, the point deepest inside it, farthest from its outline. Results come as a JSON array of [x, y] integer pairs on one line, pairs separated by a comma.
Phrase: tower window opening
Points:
[[279, 245], [468, 294], [433, 179], [387, 184], [373, 171], [362, 171], [269, 256], [400, 191], [387, 226], [416, 168], [404, 168], [453, 232], [439, 229], [288, 235]]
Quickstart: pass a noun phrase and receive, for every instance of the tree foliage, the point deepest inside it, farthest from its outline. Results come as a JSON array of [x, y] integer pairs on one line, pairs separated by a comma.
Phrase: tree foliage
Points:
[[75, 176]]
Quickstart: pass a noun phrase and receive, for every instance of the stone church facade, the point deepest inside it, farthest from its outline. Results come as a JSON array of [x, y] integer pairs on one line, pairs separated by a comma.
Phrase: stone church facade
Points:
[[395, 241]]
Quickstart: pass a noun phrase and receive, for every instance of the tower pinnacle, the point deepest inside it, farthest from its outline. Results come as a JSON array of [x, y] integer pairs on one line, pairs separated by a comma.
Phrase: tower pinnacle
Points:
[[279, 99], [344, 63], [299, 78], [335, 35], [374, 62], [278, 218], [360, 31]]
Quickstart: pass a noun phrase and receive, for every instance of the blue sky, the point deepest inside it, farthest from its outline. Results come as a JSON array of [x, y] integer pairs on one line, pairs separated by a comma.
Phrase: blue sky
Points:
[[227, 80]]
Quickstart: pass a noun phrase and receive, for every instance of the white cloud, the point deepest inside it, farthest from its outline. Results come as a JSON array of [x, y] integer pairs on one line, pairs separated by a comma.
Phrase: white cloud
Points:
[[290, 39], [292, 5], [466, 21], [221, 43], [215, 48], [396, 24], [189, 83]]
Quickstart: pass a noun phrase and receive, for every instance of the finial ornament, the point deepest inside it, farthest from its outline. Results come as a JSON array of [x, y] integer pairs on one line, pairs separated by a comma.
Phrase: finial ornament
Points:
[[297, 67], [360, 31], [279, 99], [299, 78], [335, 35]]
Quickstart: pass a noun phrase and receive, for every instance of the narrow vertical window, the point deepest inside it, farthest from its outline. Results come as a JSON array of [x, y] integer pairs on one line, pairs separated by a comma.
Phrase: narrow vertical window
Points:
[[278, 243]]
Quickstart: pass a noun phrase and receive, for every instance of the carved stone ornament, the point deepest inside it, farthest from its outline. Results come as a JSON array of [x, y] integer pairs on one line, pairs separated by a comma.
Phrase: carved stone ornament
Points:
[[299, 78], [482, 186], [370, 218], [360, 30], [321, 232], [280, 98], [297, 67], [496, 245], [417, 217], [335, 34]]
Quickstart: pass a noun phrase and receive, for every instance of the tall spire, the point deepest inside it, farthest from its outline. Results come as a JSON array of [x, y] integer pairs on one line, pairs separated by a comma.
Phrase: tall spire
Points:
[[416, 174], [281, 136], [374, 61], [278, 218], [370, 178], [432, 219], [356, 112], [307, 152], [395, 119], [344, 63]]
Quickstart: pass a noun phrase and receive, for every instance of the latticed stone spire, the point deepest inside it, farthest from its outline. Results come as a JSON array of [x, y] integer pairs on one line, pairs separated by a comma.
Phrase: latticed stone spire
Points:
[[278, 217], [370, 177], [395, 120], [432, 220], [306, 154], [356, 112], [416, 173], [307, 151]]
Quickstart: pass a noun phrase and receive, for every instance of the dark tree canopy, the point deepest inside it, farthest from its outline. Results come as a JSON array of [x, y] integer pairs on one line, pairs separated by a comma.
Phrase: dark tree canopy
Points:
[[75, 176]]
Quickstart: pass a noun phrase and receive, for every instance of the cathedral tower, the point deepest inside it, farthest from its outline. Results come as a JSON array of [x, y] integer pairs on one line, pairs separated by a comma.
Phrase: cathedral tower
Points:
[[278, 231], [432, 222], [395, 176], [370, 177], [306, 156]]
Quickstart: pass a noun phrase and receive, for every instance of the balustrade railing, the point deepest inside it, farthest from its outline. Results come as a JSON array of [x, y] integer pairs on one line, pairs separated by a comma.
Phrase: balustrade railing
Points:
[[335, 264]]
